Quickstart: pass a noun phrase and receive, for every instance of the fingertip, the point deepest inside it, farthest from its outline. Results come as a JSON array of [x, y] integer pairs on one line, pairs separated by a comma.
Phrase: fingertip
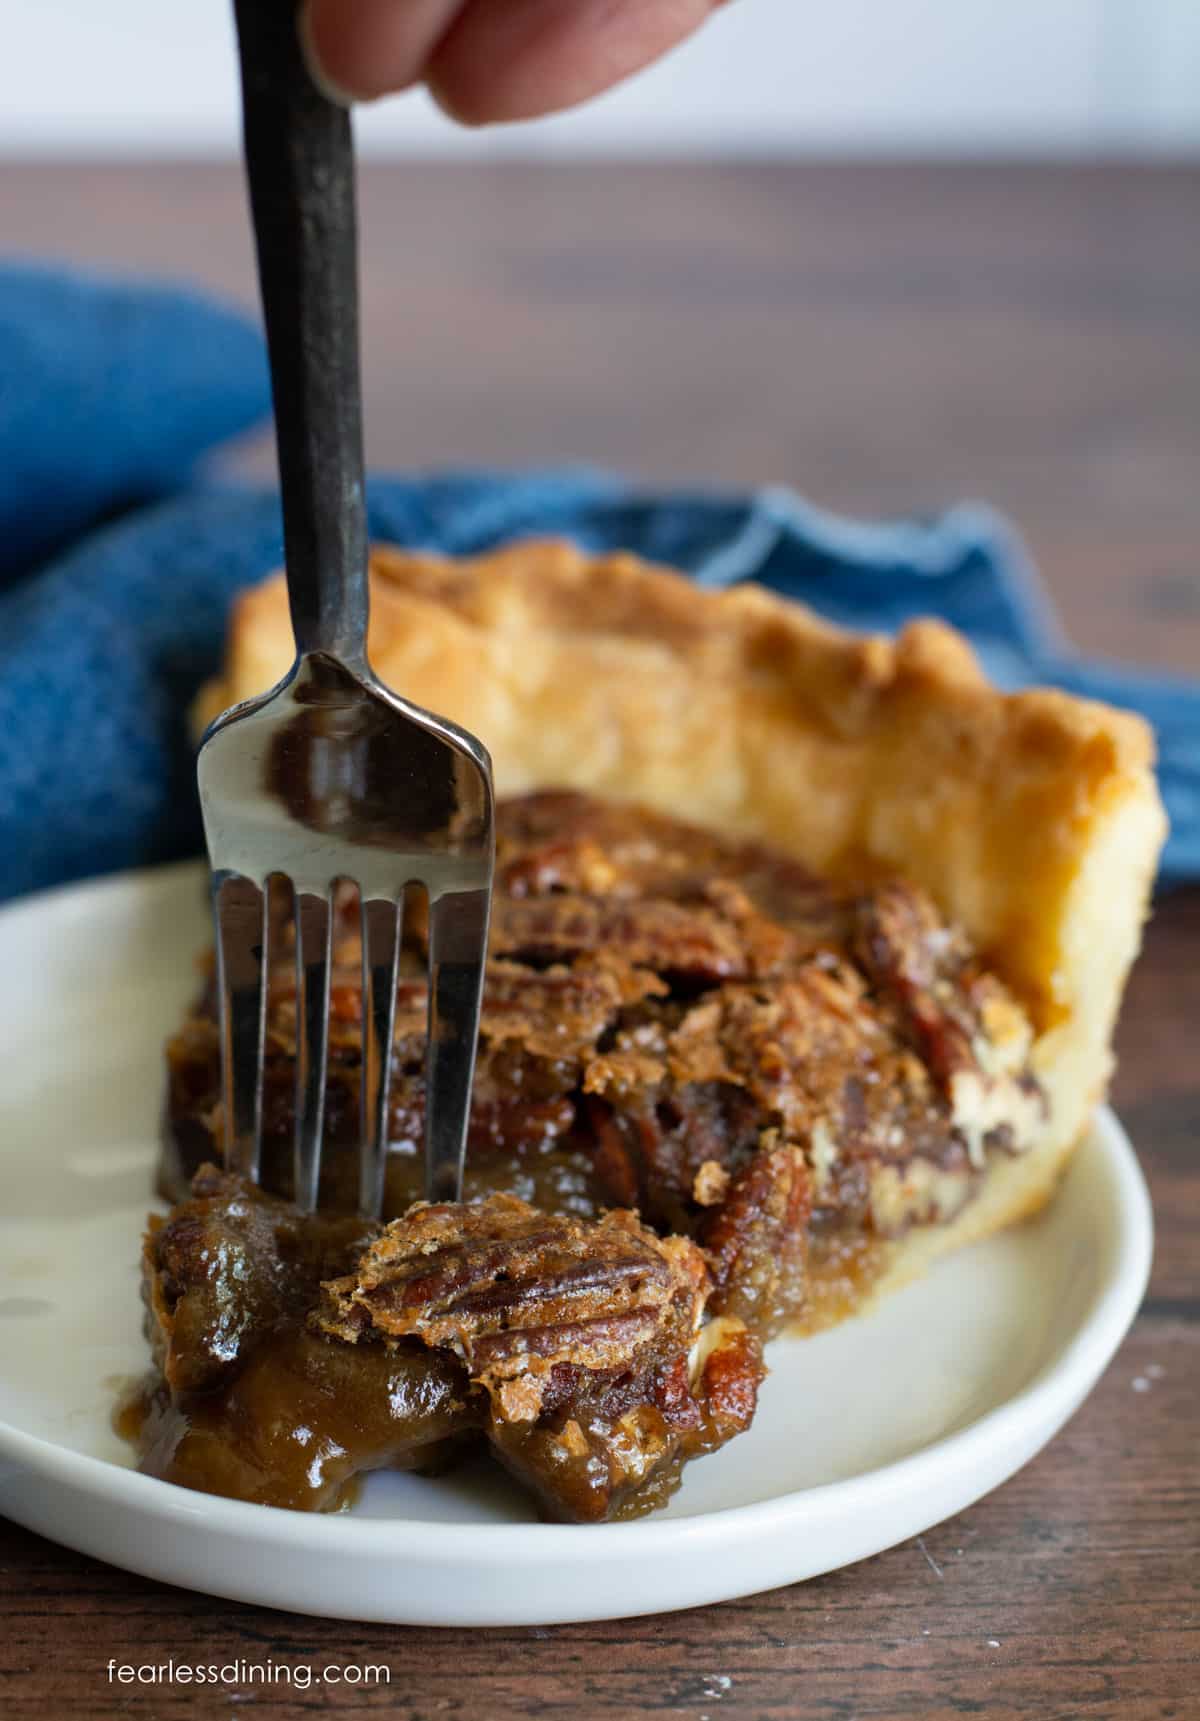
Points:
[[310, 23], [359, 50], [506, 60], [455, 101]]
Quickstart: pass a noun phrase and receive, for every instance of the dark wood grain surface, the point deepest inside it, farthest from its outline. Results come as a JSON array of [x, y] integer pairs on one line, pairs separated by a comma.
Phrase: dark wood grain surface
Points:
[[886, 338]]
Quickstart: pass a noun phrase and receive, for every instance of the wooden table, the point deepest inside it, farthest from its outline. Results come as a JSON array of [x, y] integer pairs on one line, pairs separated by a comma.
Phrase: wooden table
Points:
[[886, 338]]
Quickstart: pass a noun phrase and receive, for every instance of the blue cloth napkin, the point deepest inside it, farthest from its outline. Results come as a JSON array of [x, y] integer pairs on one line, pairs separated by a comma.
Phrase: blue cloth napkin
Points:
[[105, 646], [108, 394]]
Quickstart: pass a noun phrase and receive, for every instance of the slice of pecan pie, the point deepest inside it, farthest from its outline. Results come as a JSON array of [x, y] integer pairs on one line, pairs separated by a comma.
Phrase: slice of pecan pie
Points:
[[806, 949]]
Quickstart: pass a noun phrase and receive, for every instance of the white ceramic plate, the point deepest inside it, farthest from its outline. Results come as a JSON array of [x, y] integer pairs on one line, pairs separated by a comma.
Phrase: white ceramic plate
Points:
[[865, 1435]]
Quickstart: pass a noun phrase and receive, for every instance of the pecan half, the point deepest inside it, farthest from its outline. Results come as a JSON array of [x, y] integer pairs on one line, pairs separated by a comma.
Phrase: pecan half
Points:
[[517, 1293], [757, 1239]]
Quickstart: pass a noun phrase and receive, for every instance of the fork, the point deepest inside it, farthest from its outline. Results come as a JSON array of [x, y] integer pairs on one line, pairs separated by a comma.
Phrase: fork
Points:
[[331, 776]]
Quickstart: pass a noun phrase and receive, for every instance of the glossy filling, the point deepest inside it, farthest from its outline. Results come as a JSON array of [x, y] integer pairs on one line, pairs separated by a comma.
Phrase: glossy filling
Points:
[[775, 1075]]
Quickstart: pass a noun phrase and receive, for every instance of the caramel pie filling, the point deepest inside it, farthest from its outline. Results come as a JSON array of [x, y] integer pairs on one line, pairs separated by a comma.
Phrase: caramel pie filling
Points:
[[710, 1087]]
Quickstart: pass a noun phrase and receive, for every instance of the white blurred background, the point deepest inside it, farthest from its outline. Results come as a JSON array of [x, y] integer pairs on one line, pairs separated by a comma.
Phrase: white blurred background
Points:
[[962, 77]]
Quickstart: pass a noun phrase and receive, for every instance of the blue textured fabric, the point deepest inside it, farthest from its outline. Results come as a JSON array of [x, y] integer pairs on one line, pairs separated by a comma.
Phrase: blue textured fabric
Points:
[[104, 649], [109, 392]]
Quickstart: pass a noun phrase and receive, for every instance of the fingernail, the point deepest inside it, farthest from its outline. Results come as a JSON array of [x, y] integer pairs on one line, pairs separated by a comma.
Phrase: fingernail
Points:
[[312, 59]]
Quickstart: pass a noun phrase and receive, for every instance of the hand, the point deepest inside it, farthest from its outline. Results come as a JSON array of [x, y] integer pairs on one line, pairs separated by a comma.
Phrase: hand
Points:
[[486, 60]]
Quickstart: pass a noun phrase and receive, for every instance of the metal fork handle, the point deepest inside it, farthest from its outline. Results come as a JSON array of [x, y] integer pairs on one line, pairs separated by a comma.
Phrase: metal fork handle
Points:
[[300, 168]]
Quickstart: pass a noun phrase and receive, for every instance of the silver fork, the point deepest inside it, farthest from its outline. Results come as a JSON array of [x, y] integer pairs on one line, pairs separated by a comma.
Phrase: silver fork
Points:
[[332, 776]]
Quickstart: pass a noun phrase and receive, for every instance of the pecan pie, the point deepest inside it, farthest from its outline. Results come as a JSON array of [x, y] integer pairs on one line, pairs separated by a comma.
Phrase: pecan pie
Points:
[[805, 956]]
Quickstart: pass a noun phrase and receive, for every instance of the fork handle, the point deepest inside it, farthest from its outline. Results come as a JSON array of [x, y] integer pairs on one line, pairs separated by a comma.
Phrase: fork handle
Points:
[[300, 168]]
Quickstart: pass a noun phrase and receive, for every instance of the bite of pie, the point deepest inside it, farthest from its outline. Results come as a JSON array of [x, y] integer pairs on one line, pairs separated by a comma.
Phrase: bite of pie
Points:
[[805, 959]]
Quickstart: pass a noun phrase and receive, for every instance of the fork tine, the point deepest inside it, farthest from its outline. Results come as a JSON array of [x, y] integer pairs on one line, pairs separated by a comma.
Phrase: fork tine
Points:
[[458, 924], [380, 950], [240, 913], [313, 926]]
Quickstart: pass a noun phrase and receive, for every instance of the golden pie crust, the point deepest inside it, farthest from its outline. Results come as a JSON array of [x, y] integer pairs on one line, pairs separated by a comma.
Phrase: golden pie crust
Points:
[[1032, 818]]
